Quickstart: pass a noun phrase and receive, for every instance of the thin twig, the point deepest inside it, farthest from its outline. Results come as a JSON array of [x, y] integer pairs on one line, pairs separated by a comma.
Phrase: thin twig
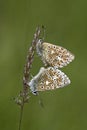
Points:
[[21, 115], [24, 94]]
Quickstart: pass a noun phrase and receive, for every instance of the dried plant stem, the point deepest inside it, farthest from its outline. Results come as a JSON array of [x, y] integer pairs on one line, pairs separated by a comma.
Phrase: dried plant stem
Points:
[[21, 115], [24, 94]]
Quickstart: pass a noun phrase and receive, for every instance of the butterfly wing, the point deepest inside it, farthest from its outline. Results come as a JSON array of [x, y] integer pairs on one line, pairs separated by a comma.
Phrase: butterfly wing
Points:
[[51, 79], [55, 56]]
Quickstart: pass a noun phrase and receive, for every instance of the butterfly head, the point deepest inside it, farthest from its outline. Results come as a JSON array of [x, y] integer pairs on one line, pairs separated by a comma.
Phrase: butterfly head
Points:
[[33, 84]]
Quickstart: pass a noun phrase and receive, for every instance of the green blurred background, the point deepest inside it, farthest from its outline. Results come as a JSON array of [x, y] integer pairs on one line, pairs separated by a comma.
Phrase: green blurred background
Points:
[[66, 25]]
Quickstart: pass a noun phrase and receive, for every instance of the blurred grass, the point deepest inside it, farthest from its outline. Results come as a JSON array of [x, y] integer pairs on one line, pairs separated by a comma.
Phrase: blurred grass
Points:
[[66, 24]]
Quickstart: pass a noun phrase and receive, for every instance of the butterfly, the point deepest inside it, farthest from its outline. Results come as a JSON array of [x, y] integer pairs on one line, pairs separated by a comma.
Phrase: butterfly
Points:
[[53, 55], [48, 79]]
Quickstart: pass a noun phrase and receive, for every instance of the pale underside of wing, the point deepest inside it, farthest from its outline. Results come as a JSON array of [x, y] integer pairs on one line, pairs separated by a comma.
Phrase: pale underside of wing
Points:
[[52, 79], [56, 55]]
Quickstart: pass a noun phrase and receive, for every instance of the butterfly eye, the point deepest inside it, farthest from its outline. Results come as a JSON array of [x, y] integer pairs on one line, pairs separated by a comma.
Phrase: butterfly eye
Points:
[[40, 41], [35, 92]]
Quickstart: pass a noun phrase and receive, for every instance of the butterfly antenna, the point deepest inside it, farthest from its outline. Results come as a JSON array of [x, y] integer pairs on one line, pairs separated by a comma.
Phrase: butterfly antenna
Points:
[[44, 32]]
